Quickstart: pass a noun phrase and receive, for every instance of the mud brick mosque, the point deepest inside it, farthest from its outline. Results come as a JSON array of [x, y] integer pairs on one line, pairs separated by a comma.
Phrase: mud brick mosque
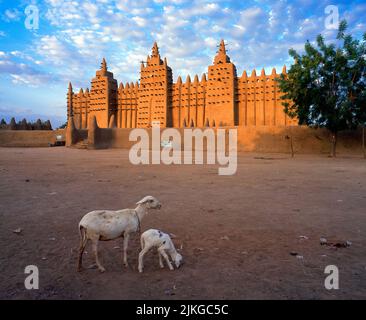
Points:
[[221, 99]]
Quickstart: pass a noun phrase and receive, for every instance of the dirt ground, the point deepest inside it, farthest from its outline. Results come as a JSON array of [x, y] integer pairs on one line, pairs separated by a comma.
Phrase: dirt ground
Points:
[[236, 232]]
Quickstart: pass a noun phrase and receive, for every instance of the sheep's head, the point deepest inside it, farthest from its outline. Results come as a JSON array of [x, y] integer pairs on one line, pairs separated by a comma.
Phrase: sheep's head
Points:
[[178, 260], [150, 202]]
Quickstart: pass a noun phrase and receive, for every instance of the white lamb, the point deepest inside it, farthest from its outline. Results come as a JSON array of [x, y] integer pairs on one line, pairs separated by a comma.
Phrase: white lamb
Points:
[[107, 225], [162, 241]]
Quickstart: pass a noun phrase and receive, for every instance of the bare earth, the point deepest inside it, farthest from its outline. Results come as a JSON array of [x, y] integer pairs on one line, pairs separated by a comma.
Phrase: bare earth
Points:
[[237, 232]]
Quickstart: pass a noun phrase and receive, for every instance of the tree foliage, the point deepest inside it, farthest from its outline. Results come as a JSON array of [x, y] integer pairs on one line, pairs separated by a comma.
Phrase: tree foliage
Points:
[[326, 86]]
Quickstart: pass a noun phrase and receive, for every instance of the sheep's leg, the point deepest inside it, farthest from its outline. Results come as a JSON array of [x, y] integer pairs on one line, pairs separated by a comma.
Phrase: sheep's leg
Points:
[[163, 253], [141, 258], [125, 246], [160, 260], [83, 242], [95, 250]]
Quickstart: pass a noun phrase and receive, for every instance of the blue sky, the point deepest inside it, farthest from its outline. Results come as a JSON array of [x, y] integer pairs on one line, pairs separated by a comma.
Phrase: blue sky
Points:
[[73, 36]]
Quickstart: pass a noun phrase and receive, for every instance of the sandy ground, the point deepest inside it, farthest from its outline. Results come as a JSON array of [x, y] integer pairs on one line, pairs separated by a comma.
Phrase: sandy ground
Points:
[[237, 232]]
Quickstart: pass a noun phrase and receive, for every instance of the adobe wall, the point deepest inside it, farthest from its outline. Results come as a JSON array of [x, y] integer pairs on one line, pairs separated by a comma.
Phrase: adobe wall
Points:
[[305, 140], [265, 139], [250, 139], [27, 138]]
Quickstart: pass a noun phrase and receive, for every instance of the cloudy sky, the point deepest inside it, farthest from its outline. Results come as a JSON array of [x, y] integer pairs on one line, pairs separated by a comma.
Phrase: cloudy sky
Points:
[[73, 36]]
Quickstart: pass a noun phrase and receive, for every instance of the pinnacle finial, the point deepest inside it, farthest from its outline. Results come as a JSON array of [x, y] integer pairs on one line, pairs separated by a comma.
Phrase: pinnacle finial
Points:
[[70, 86], [155, 50], [222, 47], [104, 65], [222, 56]]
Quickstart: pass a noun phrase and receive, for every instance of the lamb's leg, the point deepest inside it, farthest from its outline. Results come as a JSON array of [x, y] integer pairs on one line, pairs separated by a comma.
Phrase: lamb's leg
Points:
[[160, 260], [95, 250], [83, 242], [125, 246], [163, 253], [141, 258]]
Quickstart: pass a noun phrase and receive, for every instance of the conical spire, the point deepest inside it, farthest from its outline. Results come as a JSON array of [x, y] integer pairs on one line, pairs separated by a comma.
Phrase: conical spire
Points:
[[203, 79], [222, 47], [179, 80], [263, 73], [244, 75], [70, 87], [93, 124], [155, 50], [274, 72], [221, 56], [284, 71], [104, 65]]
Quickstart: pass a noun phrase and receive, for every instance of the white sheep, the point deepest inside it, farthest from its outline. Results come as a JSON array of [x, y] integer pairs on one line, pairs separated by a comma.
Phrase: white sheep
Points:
[[162, 241], [107, 225]]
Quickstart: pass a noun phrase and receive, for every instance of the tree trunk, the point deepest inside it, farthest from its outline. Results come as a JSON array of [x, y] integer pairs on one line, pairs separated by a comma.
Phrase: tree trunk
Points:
[[333, 153], [292, 145], [363, 142]]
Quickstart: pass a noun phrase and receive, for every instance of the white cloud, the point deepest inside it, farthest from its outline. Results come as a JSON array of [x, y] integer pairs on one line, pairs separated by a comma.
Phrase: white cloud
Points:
[[12, 15], [187, 32], [141, 22]]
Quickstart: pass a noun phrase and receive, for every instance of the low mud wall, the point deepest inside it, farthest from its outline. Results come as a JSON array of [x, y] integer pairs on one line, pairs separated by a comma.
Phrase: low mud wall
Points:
[[258, 139], [28, 138], [250, 139]]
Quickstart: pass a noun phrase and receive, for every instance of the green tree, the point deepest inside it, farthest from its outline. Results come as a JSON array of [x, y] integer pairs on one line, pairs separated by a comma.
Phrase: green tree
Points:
[[326, 86], [47, 125]]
